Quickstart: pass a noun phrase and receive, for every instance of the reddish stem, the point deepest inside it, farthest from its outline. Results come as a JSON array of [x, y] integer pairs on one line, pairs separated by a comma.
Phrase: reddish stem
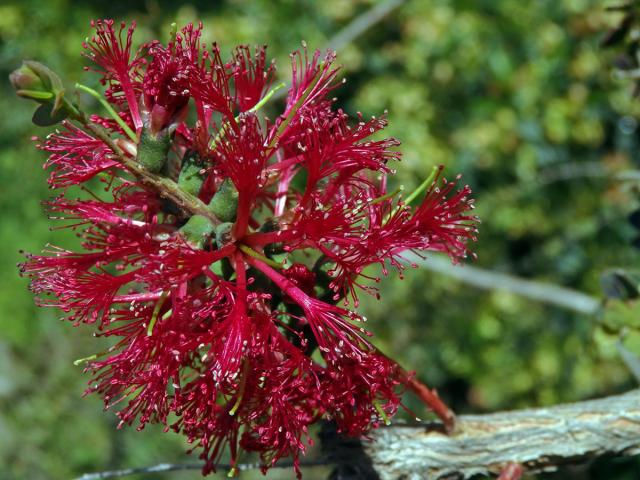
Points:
[[430, 399], [243, 217], [511, 471]]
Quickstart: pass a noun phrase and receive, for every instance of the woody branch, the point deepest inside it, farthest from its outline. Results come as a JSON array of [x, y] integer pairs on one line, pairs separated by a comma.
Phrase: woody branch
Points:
[[540, 439]]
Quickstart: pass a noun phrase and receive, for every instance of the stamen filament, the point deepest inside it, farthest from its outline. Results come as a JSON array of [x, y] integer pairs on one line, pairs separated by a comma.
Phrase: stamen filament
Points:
[[387, 196], [423, 186]]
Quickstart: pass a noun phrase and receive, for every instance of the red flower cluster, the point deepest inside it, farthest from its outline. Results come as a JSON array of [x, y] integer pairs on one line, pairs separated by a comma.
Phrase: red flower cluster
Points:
[[219, 253]]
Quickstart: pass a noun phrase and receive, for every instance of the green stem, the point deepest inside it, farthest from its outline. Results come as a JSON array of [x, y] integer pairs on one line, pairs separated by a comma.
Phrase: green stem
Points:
[[381, 412], [285, 123], [223, 130], [415, 194], [265, 99], [252, 253], [423, 186], [156, 312], [71, 108], [166, 187], [243, 386], [110, 110], [93, 357], [387, 196]]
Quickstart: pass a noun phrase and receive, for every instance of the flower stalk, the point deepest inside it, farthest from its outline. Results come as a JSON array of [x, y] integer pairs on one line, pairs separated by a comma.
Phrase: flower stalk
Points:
[[112, 113]]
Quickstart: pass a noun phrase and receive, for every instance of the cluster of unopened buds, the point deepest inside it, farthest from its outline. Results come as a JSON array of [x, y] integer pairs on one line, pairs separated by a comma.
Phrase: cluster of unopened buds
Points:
[[225, 253]]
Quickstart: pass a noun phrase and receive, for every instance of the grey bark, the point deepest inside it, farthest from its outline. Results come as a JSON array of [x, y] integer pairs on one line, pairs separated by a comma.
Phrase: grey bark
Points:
[[540, 439]]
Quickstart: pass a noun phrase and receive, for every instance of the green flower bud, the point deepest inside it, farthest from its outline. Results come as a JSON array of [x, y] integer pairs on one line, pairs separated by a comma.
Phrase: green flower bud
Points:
[[223, 234], [34, 76], [190, 179], [26, 79], [197, 231], [153, 150], [36, 81], [224, 203]]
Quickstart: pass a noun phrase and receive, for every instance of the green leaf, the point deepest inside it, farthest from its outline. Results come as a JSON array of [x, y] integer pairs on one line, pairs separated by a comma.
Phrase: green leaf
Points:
[[620, 314], [631, 343], [44, 116]]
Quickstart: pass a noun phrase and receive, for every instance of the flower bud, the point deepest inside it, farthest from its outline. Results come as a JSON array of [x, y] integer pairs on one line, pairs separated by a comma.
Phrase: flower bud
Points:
[[25, 78], [37, 82], [190, 179], [153, 149], [223, 234], [224, 203], [303, 278], [197, 231]]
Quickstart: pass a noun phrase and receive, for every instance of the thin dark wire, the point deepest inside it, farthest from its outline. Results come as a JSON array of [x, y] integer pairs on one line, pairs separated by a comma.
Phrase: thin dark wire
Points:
[[172, 467]]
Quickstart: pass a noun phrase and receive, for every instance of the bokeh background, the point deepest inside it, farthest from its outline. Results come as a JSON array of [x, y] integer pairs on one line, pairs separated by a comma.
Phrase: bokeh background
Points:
[[517, 96]]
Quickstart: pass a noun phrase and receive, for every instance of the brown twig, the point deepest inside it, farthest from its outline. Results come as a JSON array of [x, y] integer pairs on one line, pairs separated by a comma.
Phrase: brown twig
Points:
[[165, 187]]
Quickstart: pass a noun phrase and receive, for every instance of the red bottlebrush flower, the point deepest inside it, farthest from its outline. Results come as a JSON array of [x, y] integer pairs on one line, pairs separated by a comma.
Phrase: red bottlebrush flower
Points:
[[166, 83], [217, 254], [251, 76], [211, 87], [113, 58], [241, 157], [75, 156]]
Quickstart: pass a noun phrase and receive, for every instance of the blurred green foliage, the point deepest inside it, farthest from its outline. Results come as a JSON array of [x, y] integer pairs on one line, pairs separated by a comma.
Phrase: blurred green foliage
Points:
[[517, 96]]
